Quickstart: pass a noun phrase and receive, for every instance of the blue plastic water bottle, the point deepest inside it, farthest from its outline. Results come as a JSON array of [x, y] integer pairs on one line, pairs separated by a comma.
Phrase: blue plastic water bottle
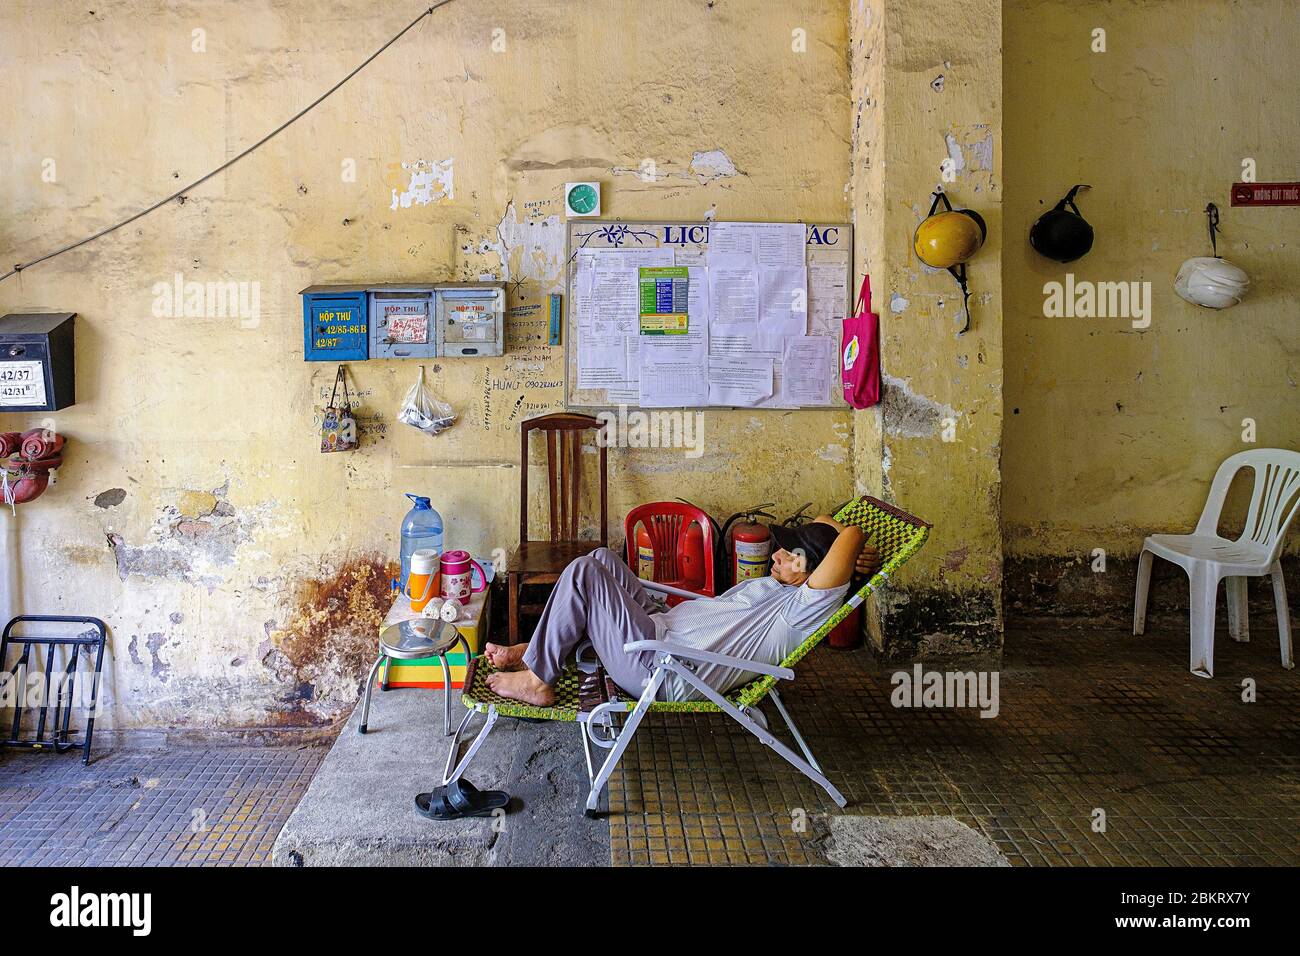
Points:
[[421, 528]]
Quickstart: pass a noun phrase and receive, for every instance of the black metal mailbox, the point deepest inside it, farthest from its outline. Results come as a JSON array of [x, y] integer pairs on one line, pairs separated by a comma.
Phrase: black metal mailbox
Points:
[[37, 372]]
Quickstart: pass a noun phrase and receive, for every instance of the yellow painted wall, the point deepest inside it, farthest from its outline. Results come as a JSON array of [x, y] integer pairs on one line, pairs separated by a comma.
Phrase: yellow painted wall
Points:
[[928, 87], [241, 571], [1114, 432]]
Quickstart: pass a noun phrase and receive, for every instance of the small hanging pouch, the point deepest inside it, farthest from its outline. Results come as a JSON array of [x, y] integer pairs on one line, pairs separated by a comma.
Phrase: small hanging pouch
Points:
[[861, 344], [338, 430]]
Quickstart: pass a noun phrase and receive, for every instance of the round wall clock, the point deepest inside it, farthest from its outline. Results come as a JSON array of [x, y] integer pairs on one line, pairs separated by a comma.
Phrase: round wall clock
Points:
[[582, 199]]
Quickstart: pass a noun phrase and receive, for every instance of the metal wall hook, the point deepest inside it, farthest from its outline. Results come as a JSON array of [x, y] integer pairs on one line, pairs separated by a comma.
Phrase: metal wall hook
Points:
[[959, 272], [940, 196], [1212, 215], [1069, 198]]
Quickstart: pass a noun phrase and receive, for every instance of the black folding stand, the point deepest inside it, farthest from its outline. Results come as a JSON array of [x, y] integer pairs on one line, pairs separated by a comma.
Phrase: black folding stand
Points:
[[58, 739]]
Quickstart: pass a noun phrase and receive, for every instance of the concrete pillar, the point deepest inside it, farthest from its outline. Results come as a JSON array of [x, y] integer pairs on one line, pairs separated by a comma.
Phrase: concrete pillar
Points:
[[10, 584], [927, 88]]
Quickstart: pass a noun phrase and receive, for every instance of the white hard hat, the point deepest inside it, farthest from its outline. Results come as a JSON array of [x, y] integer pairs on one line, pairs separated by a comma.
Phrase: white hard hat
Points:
[[1212, 282]]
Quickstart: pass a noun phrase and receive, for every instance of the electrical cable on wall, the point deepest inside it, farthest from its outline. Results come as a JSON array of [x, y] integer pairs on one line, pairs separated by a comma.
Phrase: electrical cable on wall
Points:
[[19, 267]]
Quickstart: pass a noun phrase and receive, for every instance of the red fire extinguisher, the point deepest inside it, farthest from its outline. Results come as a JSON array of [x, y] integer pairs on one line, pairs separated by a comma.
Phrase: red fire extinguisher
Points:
[[690, 557], [645, 554], [749, 544]]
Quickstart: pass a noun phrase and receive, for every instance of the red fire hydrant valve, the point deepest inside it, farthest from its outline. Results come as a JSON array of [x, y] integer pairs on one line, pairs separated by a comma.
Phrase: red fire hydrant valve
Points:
[[26, 461]]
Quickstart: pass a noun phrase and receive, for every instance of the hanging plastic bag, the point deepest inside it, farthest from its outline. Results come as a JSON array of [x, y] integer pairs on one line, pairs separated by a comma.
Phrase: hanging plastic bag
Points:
[[861, 342], [425, 410], [338, 430]]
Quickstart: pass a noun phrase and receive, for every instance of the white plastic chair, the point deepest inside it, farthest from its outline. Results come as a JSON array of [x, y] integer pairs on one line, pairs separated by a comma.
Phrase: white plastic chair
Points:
[[1208, 558]]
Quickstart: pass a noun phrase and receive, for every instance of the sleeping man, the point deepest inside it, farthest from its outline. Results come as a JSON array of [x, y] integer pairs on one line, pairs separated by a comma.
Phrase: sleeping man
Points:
[[763, 619]]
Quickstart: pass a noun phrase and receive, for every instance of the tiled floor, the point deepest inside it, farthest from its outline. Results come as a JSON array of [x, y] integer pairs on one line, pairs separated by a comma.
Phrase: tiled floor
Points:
[[151, 805], [1184, 770]]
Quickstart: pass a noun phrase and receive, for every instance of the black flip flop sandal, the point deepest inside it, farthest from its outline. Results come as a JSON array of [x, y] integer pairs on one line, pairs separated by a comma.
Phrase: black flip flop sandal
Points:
[[458, 800]]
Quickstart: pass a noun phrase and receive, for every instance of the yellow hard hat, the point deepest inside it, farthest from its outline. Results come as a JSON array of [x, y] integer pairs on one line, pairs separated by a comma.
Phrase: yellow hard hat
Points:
[[946, 239]]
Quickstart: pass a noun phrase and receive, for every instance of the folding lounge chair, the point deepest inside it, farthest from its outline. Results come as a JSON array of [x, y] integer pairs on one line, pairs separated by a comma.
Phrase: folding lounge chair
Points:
[[584, 695]]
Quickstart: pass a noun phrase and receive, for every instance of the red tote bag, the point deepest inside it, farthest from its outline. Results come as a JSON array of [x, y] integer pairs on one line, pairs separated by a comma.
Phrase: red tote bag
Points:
[[861, 352]]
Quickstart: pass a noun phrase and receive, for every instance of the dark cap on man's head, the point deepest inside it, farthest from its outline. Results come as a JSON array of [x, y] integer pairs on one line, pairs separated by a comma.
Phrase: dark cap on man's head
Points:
[[813, 540]]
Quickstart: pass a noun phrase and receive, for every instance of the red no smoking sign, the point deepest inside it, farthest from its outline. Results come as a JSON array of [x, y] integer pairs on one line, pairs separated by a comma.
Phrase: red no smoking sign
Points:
[[1266, 194]]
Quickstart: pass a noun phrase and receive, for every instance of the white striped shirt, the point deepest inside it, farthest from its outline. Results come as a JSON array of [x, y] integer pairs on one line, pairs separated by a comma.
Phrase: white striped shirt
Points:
[[759, 620]]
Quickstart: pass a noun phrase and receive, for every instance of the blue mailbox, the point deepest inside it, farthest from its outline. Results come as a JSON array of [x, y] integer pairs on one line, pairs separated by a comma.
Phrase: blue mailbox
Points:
[[336, 324]]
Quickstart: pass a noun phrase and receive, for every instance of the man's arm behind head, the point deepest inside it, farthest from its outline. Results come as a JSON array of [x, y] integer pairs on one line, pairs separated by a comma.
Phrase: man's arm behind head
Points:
[[868, 560], [842, 560]]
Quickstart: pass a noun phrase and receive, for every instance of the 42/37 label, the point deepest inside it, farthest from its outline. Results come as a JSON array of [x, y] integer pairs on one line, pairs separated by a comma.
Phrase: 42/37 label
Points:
[[22, 383]]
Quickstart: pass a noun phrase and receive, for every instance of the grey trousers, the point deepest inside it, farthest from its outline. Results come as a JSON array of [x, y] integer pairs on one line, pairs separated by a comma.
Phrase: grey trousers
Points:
[[600, 599]]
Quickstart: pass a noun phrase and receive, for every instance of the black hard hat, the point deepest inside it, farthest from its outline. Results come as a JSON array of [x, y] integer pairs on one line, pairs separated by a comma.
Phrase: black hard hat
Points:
[[1060, 233]]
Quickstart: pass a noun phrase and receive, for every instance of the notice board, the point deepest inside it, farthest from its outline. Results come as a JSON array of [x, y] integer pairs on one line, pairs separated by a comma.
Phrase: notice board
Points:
[[754, 322]]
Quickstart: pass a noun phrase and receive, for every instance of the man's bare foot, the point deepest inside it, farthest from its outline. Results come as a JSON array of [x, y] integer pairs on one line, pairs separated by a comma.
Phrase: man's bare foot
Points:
[[505, 658], [522, 685]]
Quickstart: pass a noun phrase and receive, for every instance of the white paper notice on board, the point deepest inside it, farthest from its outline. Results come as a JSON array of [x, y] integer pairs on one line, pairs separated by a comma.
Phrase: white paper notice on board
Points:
[[586, 272], [722, 342], [610, 313], [783, 306], [733, 293], [766, 244], [743, 382], [632, 350], [675, 368], [827, 296], [807, 370], [691, 258], [674, 385], [615, 288], [602, 364]]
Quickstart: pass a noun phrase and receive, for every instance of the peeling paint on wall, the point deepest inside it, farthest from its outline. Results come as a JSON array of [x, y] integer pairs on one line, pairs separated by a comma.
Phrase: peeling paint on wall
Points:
[[192, 539], [909, 415], [154, 642], [974, 142], [981, 150], [426, 182], [111, 498], [712, 164], [958, 161], [706, 166], [836, 453], [531, 249]]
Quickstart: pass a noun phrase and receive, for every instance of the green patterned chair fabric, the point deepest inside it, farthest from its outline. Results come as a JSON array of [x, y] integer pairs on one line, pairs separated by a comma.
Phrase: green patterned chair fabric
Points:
[[479, 696], [896, 534]]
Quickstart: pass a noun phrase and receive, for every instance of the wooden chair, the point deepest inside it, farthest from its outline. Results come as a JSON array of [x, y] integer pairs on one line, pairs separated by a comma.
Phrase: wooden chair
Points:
[[541, 561]]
